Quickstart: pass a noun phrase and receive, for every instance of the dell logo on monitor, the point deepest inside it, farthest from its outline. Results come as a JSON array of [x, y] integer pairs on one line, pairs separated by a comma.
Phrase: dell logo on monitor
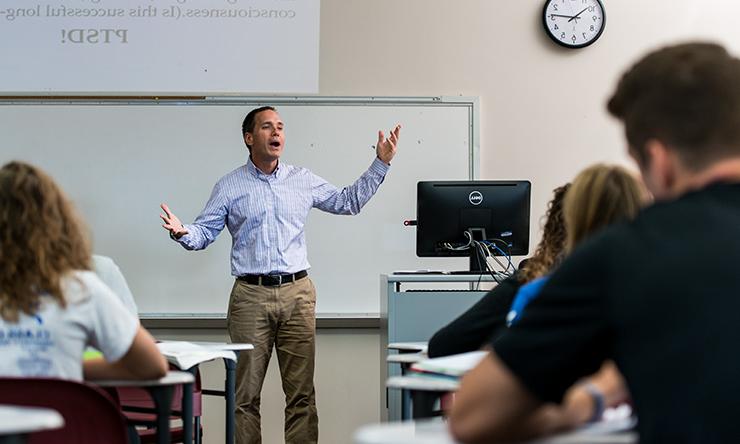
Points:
[[475, 198]]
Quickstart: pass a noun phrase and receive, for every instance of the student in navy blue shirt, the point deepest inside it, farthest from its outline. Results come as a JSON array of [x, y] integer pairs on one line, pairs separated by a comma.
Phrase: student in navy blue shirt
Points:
[[642, 294]]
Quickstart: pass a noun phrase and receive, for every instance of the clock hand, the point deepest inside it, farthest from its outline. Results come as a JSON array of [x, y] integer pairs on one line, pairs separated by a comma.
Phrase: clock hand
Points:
[[560, 15], [575, 17]]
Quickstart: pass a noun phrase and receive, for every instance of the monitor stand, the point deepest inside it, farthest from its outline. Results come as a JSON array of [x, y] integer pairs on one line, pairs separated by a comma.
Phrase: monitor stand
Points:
[[477, 261]]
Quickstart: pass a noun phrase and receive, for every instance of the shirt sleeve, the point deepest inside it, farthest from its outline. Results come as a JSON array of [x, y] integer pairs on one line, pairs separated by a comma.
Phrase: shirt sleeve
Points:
[[523, 297], [209, 223], [351, 199], [111, 275], [113, 328], [563, 334], [472, 329]]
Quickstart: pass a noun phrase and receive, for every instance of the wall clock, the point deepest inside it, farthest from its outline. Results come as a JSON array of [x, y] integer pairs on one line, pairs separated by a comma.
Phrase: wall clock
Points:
[[574, 23]]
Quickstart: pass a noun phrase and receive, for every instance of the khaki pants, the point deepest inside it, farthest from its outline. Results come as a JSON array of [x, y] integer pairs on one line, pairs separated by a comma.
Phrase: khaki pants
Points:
[[285, 317]]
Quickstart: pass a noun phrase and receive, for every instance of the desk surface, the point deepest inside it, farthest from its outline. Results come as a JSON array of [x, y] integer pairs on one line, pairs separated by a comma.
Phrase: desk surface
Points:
[[225, 346], [420, 346], [209, 321], [442, 277], [422, 383], [16, 420], [435, 431], [171, 378], [407, 358]]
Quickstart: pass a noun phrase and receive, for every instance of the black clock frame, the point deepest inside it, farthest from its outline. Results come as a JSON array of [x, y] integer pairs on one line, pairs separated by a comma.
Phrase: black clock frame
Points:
[[563, 44]]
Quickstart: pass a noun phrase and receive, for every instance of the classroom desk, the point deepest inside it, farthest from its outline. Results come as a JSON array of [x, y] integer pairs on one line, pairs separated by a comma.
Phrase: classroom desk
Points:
[[409, 347], [434, 431], [412, 308], [161, 392], [16, 422], [424, 392], [229, 383], [405, 360]]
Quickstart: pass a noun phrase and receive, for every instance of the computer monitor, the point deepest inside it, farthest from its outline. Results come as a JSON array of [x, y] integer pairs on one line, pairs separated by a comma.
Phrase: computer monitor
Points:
[[497, 211]]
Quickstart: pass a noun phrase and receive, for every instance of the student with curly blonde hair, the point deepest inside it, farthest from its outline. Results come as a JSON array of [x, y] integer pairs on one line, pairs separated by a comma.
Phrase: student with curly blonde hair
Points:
[[599, 196], [51, 305], [487, 317]]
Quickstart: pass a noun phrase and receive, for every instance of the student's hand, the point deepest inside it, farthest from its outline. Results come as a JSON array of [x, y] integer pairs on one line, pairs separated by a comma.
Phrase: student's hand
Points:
[[172, 223], [386, 148]]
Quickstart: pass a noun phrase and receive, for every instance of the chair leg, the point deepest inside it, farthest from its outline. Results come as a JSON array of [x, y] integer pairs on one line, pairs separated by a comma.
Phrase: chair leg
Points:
[[133, 435], [198, 435], [423, 403]]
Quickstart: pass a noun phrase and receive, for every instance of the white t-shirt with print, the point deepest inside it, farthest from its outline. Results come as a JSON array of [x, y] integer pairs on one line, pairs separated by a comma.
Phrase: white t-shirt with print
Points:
[[50, 343], [111, 275]]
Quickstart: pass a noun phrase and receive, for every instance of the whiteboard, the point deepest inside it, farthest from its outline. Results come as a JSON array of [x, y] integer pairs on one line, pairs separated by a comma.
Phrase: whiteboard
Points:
[[119, 160]]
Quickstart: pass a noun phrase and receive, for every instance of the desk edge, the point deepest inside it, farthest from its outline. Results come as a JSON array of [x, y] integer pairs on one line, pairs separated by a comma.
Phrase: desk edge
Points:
[[219, 323]]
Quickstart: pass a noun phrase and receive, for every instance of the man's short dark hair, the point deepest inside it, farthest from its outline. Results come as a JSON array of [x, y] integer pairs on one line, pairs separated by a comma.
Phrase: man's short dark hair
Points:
[[248, 123], [686, 96]]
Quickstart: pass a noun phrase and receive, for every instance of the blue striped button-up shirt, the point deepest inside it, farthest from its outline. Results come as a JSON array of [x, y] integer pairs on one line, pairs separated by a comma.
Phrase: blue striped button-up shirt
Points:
[[265, 214]]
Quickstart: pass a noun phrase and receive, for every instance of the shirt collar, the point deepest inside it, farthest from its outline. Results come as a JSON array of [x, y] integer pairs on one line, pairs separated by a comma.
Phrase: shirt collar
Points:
[[256, 172]]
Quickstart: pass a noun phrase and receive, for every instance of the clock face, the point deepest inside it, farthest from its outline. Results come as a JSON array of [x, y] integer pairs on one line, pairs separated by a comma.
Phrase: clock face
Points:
[[574, 23]]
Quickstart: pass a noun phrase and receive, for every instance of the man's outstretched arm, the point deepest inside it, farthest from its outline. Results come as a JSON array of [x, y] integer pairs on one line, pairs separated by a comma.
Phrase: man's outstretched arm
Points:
[[206, 227], [351, 199]]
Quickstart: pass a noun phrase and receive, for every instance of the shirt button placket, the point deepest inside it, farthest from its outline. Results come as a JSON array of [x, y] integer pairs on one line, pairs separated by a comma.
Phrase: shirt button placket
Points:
[[272, 212]]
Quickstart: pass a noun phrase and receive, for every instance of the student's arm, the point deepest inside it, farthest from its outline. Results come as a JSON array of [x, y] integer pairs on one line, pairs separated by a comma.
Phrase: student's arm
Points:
[[579, 403], [142, 361], [563, 336], [491, 405], [472, 330]]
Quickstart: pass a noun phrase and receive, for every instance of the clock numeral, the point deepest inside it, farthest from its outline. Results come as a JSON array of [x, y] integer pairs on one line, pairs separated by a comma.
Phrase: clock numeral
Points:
[[590, 9], [592, 28], [552, 17], [562, 36], [595, 18], [556, 27], [555, 6], [573, 38], [584, 35]]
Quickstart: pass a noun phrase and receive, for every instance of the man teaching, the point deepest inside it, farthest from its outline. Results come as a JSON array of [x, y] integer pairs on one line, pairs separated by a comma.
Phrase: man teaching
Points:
[[264, 204]]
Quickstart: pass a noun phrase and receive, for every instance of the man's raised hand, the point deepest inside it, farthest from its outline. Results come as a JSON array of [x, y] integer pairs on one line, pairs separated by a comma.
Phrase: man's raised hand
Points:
[[386, 148], [172, 223]]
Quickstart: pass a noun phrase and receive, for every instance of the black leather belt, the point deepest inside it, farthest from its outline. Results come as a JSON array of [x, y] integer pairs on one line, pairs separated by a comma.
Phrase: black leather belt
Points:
[[272, 280]]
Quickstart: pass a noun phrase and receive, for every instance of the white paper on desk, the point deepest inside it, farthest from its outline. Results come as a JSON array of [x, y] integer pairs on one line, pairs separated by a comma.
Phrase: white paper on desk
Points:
[[185, 355], [455, 365], [615, 419]]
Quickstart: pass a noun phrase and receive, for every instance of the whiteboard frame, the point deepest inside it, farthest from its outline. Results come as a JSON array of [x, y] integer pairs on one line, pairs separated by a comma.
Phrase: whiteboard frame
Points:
[[472, 104]]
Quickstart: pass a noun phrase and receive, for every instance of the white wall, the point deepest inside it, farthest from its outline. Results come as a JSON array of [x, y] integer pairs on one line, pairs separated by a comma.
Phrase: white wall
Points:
[[542, 118]]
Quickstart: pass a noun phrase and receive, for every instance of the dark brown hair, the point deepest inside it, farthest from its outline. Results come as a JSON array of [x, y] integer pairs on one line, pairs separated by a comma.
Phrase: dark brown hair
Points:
[[549, 251], [248, 123], [41, 239], [686, 96]]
